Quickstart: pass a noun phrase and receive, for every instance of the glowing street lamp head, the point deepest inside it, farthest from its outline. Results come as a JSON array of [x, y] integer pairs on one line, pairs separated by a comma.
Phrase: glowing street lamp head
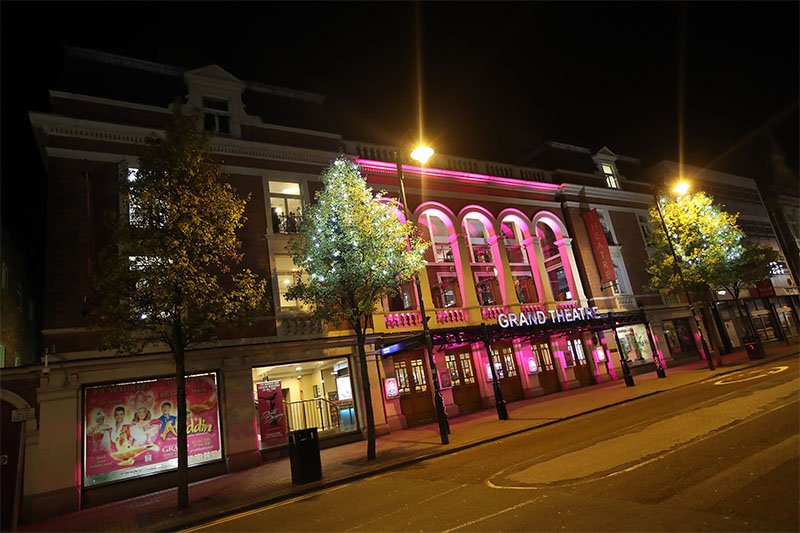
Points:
[[681, 188], [422, 154]]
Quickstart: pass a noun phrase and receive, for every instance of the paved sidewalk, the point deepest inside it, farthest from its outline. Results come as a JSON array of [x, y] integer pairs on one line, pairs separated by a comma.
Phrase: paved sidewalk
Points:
[[271, 482]]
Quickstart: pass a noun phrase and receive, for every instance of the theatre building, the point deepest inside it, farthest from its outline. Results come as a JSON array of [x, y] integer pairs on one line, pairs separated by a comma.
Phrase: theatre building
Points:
[[539, 271]]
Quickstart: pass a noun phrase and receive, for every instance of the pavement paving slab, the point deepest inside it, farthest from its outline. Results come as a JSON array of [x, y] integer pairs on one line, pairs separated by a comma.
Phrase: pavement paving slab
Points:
[[271, 482]]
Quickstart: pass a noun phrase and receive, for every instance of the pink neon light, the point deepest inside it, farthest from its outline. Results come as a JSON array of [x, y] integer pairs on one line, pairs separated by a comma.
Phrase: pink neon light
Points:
[[658, 351], [367, 164]]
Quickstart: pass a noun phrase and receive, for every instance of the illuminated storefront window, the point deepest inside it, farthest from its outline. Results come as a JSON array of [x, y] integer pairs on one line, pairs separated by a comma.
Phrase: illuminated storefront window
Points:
[[131, 428], [311, 394]]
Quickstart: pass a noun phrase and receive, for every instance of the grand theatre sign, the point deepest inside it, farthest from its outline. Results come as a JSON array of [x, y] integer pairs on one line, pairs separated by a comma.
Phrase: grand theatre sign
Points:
[[554, 316]]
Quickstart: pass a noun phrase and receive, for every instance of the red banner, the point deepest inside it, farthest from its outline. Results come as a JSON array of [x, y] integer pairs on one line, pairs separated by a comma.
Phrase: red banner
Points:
[[271, 418], [762, 290], [597, 238]]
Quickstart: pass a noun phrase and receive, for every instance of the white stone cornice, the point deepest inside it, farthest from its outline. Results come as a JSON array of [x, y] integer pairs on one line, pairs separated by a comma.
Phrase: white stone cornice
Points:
[[117, 133], [108, 101]]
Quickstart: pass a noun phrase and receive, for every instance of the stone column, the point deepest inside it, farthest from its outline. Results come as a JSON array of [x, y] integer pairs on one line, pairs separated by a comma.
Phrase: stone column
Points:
[[52, 482], [466, 280], [571, 269], [536, 259], [500, 258], [238, 414]]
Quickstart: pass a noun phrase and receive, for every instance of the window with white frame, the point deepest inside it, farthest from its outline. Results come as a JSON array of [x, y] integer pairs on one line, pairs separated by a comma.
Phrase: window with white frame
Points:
[[644, 225], [611, 176], [134, 218], [608, 230], [216, 116], [622, 286], [442, 252], [478, 246], [513, 243], [287, 274], [286, 206]]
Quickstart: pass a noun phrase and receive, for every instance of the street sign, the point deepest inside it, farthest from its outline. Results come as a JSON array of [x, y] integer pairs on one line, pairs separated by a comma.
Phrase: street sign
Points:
[[406, 344], [21, 415]]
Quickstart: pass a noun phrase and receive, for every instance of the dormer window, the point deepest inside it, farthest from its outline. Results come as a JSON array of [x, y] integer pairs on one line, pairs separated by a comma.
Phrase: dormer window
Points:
[[611, 177], [216, 116]]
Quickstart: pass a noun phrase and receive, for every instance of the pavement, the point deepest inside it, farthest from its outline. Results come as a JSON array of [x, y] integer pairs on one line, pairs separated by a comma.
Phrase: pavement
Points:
[[271, 482]]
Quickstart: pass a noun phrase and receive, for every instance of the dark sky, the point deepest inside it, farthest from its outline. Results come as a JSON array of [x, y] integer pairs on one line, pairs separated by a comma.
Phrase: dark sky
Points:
[[498, 78]]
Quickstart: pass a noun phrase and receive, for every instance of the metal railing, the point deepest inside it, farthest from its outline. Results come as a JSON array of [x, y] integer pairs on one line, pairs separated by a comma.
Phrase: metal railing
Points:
[[321, 414], [285, 223]]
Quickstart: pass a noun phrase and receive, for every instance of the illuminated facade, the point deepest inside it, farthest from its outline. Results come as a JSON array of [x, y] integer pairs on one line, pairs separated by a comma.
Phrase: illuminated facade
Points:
[[507, 241]]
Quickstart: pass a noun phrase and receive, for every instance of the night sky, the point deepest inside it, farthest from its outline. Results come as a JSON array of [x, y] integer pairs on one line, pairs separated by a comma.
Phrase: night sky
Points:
[[498, 78]]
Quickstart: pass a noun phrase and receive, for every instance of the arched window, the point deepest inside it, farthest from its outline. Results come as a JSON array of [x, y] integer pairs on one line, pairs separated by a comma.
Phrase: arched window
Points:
[[553, 264]]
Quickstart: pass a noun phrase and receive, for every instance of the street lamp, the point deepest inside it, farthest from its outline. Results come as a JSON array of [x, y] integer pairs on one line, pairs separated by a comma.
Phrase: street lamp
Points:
[[681, 189], [422, 154]]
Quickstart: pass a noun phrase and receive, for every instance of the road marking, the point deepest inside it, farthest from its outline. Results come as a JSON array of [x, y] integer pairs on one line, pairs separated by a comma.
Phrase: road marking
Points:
[[498, 513], [406, 506], [569, 468], [262, 509], [754, 374]]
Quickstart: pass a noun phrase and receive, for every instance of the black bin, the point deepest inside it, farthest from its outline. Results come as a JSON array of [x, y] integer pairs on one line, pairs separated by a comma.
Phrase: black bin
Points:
[[755, 350], [304, 456]]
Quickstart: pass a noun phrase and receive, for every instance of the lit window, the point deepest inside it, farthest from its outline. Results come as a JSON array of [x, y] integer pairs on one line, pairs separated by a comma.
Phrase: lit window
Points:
[[287, 274], [216, 116], [611, 178], [286, 203]]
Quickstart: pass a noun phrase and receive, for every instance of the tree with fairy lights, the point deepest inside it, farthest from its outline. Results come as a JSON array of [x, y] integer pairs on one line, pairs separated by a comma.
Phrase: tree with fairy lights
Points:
[[352, 250], [753, 266], [706, 241]]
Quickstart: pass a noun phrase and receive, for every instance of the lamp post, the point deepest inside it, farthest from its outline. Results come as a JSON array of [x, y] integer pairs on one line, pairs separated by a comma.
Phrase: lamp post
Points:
[[422, 154], [682, 188]]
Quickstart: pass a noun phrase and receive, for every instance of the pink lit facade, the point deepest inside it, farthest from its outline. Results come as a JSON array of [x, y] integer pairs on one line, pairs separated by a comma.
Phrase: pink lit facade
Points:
[[504, 240]]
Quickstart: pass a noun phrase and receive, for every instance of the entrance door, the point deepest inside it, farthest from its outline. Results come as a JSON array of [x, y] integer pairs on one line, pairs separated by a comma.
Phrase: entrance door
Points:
[[548, 375], [506, 367], [415, 398], [9, 462], [583, 371], [466, 391]]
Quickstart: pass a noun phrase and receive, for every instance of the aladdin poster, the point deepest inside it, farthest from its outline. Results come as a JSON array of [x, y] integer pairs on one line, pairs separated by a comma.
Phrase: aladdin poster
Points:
[[271, 419], [131, 428]]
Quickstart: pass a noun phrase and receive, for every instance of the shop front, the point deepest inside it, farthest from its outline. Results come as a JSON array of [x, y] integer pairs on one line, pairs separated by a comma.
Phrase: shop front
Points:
[[303, 395]]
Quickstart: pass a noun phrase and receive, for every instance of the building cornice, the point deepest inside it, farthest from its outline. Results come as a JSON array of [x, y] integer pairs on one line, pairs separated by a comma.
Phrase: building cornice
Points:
[[118, 133]]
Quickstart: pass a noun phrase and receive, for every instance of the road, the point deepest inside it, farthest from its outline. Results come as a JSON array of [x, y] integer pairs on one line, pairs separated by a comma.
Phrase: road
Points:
[[720, 455]]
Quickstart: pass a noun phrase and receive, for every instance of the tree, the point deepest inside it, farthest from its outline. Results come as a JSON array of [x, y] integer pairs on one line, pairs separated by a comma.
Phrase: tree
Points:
[[706, 241], [751, 268], [169, 277], [352, 250]]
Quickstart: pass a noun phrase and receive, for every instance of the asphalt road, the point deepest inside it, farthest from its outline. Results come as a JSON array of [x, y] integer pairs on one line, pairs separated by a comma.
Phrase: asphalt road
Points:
[[721, 455]]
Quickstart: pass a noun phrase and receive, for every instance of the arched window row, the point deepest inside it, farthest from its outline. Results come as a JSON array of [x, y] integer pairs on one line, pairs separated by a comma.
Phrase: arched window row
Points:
[[478, 258]]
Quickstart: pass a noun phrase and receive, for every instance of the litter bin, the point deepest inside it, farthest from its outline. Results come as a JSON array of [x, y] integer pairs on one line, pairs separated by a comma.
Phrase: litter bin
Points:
[[304, 456], [755, 350]]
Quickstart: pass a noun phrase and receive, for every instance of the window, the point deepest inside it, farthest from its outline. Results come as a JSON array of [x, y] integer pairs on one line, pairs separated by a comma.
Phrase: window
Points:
[[216, 116], [778, 268], [418, 371], [576, 350], [611, 178], [508, 359], [287, 274], [452, 366], [480, 250], [403, 383], [644, 225], [608, 231], [442, 253], [466, 367], [542, 352], [286, 203], [513, 239], [134, 218]]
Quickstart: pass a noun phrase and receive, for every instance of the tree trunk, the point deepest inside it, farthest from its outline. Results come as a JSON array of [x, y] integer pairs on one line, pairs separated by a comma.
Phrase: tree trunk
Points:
[[362, 358], [183, 449], [713, 334], [750, 325]]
